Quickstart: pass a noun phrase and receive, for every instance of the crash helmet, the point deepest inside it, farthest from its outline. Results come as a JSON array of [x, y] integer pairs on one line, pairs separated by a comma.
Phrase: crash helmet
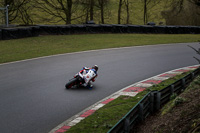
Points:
[[95, 67]]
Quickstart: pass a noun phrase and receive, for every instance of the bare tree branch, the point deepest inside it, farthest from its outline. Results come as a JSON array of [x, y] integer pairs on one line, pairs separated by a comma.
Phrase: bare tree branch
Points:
[[197, 51], [60, 9], [197, 59]]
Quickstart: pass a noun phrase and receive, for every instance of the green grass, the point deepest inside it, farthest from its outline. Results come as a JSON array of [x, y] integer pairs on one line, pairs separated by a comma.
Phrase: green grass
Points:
[[19, 49], [107, 116]]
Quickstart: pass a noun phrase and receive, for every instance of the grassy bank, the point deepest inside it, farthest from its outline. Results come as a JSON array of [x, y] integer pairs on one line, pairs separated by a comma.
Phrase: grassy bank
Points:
[[181, 114], [19, 49]]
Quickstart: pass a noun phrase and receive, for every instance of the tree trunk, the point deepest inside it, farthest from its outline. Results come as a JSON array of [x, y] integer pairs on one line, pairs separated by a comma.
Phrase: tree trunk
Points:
[[102, 15], [69, 12], [91, 9], [127, 11], [87, 16], [119, 11], [101, 3], [145, 11]]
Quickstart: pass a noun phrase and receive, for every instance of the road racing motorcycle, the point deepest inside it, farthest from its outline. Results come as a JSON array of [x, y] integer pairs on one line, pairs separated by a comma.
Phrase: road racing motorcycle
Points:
[[78, 81]]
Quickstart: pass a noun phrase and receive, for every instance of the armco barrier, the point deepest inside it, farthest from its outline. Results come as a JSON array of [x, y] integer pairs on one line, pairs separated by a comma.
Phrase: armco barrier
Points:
[[116, 28], [10, 33], [19, 32], [91, 28], [35, 30], [106, 28], [28, 31], [134, 28], [24, 32], [48, 30], [150, 103], [119, 28], [78, 29]]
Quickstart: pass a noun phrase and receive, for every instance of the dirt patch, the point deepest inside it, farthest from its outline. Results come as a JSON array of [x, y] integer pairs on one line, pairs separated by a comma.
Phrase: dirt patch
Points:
[[182, 118]]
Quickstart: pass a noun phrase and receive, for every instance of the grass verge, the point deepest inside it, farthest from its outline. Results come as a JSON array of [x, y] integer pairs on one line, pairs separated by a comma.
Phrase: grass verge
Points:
[[20, 49], [107, 116]]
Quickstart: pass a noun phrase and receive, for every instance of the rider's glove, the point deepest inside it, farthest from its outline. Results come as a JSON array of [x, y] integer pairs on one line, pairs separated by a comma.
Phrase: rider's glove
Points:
[[75, 75], [80, 75]]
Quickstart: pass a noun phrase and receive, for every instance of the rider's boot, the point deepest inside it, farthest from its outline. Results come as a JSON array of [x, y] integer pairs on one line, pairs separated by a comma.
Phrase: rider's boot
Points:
[[90, 86]]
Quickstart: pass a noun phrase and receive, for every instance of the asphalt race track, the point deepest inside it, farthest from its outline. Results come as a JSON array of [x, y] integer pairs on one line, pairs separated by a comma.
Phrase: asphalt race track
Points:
[[33, 98]]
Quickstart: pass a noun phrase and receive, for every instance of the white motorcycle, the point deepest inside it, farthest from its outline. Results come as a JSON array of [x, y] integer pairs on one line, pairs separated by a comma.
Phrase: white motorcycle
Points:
[[81, 80]]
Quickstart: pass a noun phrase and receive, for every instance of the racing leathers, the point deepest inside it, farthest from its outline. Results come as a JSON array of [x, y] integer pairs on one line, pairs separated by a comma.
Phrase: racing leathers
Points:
[[85, 71]]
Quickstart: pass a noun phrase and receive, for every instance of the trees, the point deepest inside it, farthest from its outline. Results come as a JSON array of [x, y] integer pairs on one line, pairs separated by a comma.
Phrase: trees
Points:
[[102, 11], [25, 15], [68, 10], [183, 12], [121, 3], [101, 5], [145, 11], [196, 2], [59, 10], [119, 11], [127, 11], [88, 8], [148, 7], [91, 7], [18, 11]]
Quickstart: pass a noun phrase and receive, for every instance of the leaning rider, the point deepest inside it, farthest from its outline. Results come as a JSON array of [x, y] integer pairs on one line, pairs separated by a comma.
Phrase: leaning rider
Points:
[[86, 70]]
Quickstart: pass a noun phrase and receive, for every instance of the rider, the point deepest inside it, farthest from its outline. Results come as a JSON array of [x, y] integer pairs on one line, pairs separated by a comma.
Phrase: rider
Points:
[[86, 70]]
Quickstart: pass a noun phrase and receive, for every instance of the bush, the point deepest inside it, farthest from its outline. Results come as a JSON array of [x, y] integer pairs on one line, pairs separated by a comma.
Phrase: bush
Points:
[[178, 101], [173, 96]]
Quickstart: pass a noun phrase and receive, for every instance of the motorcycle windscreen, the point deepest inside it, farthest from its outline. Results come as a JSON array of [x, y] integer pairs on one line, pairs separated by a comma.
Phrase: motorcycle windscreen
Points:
[[88, 76]]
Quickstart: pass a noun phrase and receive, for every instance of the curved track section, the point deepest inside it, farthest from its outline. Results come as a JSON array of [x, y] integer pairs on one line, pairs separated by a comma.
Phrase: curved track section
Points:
[[33, 97]]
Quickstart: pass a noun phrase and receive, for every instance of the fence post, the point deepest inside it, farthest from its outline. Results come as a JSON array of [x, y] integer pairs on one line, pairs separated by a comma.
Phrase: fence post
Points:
[[127, 125], [183, 83], [141, 113], [192, 75], [152, 102], [158, 100], [172, 88]]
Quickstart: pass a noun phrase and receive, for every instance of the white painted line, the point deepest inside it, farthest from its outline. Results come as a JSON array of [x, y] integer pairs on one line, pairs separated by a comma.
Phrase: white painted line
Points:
[[75, 121], [159, 78], [115, 96], [172, 72], [98, 106], [143, 85], [132, 94], [187, 68]]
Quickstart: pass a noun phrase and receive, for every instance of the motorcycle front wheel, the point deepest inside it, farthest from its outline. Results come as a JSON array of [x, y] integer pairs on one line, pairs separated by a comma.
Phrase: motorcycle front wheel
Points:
[[71, 83]]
